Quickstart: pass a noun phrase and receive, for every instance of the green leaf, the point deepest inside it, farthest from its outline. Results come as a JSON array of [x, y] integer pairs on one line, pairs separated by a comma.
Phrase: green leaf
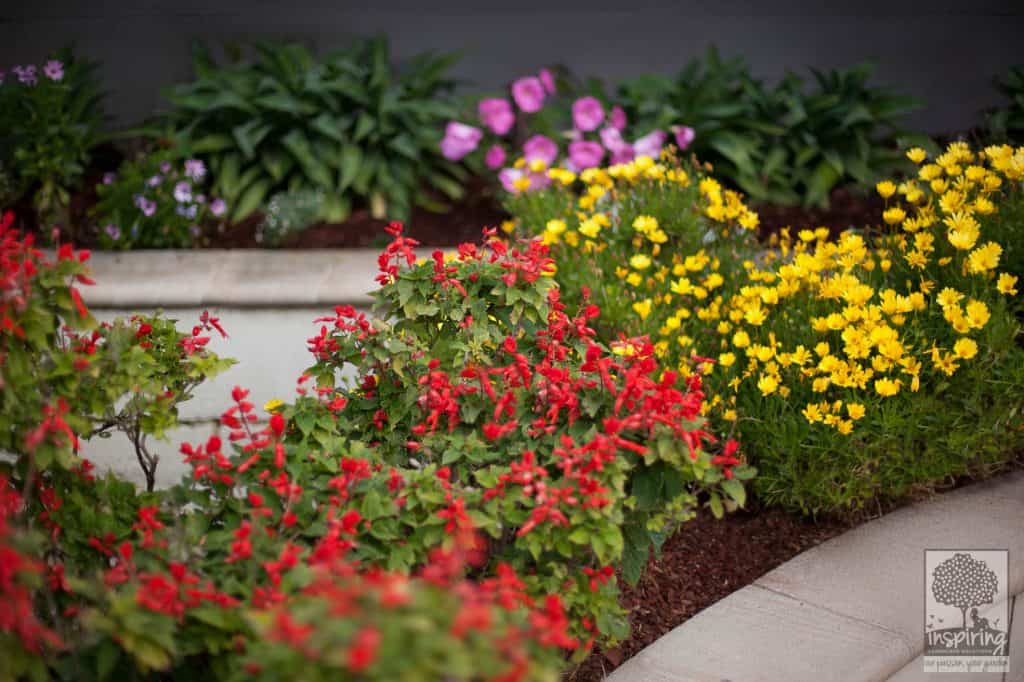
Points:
[[735, 148], [335, 208], [251, 199], [634, 559], [296, 143], [364, 126], [647, 483], [249, 135], [350, 161], [734, 489], [821, 182], [210, 143], [330, 125], [716, 506]]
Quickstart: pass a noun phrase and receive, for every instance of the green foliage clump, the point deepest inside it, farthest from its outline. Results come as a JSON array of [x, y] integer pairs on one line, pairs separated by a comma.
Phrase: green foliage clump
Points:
[[786, 144], [349, 125], [1006, 123]]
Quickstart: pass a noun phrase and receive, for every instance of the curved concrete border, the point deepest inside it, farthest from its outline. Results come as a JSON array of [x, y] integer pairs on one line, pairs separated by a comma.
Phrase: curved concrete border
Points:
[[232, 278], [850, 609]]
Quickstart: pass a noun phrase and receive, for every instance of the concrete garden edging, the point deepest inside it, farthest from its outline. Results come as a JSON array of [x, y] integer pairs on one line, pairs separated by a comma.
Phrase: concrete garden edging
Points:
[[232, 278], [850, 609]]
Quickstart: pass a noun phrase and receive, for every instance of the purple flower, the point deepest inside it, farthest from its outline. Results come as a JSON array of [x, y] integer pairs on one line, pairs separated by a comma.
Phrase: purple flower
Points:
[[617, 118], [54, 70], [187, 211], [218, 207], [108, 178], [587, 113], [584, 154], [194, 231], [650, 144], [540, 147], [148, 207], [155, 181], [528, 93], [459, 140], [495, 157], [684, 136], [497, 114], [165, 167], [195, 169], [25, 74], [183, 192], [113, 231], [548, 81], [199, 199]]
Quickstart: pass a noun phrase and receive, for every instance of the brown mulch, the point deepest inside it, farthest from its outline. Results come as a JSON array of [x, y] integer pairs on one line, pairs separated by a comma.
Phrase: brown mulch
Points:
[[847, 209], [705, 561], [461, 223]]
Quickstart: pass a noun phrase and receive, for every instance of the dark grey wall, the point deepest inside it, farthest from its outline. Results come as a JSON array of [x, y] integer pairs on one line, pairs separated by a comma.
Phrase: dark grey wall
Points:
[[941, 50]]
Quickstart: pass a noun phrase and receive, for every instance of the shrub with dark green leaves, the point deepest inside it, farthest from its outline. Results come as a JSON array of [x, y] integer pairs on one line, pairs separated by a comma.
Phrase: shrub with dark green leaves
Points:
[[50, 118], [787, 144], [1007, 123], [349, 125]]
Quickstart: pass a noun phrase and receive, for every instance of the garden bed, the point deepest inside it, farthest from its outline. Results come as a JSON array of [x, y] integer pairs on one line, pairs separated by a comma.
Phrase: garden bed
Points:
[[461, 223], [708, 559]]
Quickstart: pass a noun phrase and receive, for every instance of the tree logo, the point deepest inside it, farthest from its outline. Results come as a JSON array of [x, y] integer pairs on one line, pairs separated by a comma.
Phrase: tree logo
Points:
[[966, 611]]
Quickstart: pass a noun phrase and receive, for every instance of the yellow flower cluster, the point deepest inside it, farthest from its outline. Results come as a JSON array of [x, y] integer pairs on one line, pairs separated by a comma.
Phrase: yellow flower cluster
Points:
[[834, 328], [871, 338], [603, 187]]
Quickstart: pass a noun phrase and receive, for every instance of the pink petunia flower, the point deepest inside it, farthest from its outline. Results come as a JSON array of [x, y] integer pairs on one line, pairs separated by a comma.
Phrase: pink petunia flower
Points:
[[584, 154], [548, 81], [540, 147], [497, 114], [684, 136], [495, 157], [623, 154], [528, 93], [650, 144], [611, 138], [617, 118], [621, 151], [587, 113], [54, 70], [459, 140], [508, 177]]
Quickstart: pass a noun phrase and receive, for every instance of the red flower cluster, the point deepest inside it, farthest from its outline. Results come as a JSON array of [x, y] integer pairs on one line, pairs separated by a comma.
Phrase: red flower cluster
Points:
[[20, 262], [18, 615]]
